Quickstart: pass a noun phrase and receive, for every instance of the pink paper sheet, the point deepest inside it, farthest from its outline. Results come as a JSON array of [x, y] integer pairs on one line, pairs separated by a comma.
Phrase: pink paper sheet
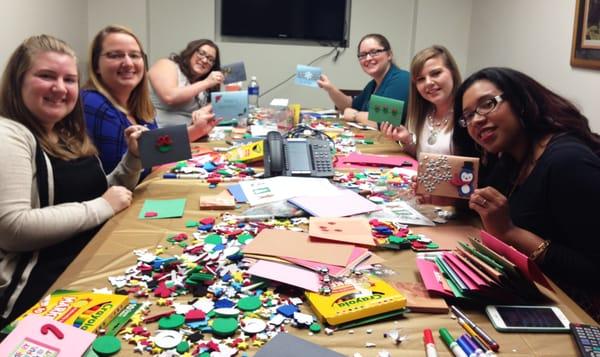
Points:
[[428, 270], [347, 203], [286, 273], [369, 160]]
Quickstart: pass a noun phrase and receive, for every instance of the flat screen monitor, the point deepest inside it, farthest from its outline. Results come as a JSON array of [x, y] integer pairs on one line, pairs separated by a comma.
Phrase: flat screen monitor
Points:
[[324, 21]]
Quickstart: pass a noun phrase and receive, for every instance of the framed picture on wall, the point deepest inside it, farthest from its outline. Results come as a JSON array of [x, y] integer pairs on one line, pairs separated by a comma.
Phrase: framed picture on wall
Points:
[[585, 50]]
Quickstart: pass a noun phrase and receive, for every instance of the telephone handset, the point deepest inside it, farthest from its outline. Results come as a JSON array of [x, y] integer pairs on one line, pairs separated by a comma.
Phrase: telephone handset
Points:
[[296, 157]]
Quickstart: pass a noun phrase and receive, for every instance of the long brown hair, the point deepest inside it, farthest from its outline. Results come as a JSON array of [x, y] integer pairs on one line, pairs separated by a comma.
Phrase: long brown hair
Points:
[[183, 60], [72, 137], [418, 107], [139, 104]]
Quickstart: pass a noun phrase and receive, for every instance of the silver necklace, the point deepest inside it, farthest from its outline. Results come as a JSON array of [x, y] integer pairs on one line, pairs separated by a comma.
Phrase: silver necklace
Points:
[[435, 127]]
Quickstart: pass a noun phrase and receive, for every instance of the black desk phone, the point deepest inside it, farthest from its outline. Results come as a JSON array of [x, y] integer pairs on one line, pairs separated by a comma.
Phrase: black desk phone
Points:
[[297, 156]]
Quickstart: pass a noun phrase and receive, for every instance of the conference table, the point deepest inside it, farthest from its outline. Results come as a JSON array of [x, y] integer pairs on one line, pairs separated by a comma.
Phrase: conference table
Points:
[[111, 252]]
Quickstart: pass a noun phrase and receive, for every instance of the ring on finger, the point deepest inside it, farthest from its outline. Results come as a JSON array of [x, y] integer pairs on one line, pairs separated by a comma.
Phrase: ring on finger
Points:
[[484, 202]]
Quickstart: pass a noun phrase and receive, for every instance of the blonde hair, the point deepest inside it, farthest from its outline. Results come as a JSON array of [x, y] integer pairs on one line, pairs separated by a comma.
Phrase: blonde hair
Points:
[[418, 107], [139, 103], [72, 136]]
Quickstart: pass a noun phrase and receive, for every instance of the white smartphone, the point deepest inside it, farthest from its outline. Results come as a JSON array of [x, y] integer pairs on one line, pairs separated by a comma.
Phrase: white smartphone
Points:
[[518, 318]]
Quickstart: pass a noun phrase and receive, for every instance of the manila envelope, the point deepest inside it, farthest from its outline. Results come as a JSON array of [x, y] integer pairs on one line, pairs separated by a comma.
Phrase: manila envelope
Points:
[[234, 72], [382, 109], [447, 175], [165, 145]]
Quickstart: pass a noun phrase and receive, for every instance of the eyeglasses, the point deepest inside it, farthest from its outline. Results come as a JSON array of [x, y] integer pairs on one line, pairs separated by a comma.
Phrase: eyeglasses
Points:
[[483, 108], [204, 56], [119, 55], [373, 53]]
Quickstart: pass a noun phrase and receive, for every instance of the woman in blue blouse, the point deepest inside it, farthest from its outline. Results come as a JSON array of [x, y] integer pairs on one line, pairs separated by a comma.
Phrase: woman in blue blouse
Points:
[[376, 59]]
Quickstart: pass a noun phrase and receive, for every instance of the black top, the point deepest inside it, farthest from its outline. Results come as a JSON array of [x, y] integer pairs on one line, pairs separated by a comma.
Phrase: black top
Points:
[[558, 201]]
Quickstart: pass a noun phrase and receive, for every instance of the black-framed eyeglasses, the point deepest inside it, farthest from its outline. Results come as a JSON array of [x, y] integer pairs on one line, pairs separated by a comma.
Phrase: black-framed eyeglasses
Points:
[[204, 56], [373, 53], [120, 55], [484, 108]]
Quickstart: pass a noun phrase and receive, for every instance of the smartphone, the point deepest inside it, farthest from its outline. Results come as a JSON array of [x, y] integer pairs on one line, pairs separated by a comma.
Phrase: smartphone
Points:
[[518, 318]]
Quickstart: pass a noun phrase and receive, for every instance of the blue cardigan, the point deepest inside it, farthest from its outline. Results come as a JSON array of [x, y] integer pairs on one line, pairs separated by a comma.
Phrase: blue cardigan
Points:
[[395, 85]]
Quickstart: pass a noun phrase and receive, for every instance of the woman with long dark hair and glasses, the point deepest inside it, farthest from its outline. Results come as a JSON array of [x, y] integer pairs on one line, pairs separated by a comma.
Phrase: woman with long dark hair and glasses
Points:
[[541, 195]]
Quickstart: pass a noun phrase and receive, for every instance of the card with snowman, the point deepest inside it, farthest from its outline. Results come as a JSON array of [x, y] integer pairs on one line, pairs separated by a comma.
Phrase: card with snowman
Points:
[[447, 175]]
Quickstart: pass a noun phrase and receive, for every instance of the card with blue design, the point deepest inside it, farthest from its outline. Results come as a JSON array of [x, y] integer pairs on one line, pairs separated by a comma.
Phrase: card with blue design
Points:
[[234, 72], [230, 105], [307, 75], [383, 109]]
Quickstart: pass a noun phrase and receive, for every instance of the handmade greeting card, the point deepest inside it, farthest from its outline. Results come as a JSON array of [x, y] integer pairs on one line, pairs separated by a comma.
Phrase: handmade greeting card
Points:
[[382, 109], [447, 175], [165, 145], [230, 105], [307, 76], [234, 72], [345, 229]]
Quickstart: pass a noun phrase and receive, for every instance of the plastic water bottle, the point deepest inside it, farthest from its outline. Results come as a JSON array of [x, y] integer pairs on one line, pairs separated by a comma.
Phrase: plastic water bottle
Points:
[[253, 92]]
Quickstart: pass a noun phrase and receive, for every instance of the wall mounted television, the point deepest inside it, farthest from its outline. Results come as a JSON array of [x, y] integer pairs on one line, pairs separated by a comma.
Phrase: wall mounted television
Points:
[[323, 21]]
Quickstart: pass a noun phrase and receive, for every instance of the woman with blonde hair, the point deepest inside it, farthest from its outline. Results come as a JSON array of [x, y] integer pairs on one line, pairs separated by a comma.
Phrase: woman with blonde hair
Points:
[[434, 80], [56, 195]]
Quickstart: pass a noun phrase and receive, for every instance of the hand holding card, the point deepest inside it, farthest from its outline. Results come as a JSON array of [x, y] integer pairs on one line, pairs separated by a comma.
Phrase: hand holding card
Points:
[[234, 72], [307, 76]]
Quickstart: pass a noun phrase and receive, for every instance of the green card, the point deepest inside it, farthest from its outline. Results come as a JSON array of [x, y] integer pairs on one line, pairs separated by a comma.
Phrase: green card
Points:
[[382, 109], [155, 209]]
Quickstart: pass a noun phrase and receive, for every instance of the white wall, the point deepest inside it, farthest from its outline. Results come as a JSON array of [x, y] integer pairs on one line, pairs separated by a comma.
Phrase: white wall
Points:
[[65, 19], [534, 36]]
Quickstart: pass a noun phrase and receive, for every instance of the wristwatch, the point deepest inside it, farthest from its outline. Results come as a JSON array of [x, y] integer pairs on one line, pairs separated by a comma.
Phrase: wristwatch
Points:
[[354, 115], [413, 141]]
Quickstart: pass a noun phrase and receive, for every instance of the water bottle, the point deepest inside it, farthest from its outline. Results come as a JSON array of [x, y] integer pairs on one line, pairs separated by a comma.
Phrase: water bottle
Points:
[[253, 92]]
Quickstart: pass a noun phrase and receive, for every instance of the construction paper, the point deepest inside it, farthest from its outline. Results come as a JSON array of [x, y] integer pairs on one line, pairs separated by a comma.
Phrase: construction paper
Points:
[[164, 145], [234, 72], [465, 278], [525, 265], [382, 109], [222, 200], [339, 203], [163, 208], [359, 257], [229, 105], [284, 344], [286, 273], [447, 175], [307, 76], [355, 159], [284, 243], [347, 230], [431, 276], [238, 193], [447, 236]]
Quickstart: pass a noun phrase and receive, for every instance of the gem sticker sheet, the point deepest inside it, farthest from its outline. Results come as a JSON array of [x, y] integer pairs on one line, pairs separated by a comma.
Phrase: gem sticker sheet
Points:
[[447, 175]]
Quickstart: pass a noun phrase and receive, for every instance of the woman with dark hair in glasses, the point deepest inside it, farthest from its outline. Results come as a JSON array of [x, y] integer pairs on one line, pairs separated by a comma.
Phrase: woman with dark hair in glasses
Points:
[[375, 57], [541, 194], [181, 87]]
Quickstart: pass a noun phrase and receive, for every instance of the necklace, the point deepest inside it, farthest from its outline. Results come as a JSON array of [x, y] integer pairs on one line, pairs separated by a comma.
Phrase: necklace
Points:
[[435, 127]]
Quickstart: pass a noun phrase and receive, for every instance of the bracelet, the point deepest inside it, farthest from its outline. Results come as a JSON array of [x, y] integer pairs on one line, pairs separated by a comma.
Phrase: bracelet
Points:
[[539, 250], [413, 140]]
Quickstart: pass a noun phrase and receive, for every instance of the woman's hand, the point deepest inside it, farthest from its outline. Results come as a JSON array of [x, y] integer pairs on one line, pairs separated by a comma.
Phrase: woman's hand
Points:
[[350, 114], [325, 83], [132, 135], [118, 197], [203, 121], [396, 133], [493, 209], [214, 78]]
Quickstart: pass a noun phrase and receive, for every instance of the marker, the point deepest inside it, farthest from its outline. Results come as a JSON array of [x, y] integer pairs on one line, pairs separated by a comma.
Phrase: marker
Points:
[[493, 345], [476, 339], [253, 217], [452, 345], [478, 350], [183, 176], [469, 351], [430, 350]]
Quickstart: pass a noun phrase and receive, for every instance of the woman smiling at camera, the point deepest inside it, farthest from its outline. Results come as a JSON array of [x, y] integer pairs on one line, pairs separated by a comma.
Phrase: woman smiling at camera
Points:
[[182, 85], [543, 191], [55, 195], [376, 59]]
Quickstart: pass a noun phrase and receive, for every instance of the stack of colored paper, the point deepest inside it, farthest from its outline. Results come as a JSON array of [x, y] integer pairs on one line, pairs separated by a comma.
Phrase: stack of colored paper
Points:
[[486, 269]]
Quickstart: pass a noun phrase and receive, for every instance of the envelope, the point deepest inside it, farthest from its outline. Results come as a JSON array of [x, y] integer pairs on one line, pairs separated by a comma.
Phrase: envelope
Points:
[[383, 109], [230, 105], [234, 72], [447, 175], [307, 76], [165, 145]]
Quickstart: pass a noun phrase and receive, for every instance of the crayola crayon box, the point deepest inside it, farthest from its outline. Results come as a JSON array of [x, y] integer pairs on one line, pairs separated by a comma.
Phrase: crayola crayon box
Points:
[[83, 309]]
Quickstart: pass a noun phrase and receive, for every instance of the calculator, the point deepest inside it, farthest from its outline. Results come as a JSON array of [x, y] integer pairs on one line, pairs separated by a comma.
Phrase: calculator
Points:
[[587, 338]]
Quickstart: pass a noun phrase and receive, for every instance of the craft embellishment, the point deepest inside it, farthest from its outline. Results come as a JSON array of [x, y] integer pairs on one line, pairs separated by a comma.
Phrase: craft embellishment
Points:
[[164, 143], [447, 175], [435, 127], [436, 170]]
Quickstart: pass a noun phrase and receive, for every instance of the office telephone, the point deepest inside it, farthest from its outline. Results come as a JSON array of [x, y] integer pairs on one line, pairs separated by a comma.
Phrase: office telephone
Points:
[[296, 156]]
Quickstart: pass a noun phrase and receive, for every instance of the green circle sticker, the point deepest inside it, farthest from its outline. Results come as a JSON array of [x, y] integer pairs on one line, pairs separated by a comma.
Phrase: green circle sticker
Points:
[[213, 239], [242, 238], [315, 327], [106, 345], [224, 326], [171, 322], [249, 303]]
